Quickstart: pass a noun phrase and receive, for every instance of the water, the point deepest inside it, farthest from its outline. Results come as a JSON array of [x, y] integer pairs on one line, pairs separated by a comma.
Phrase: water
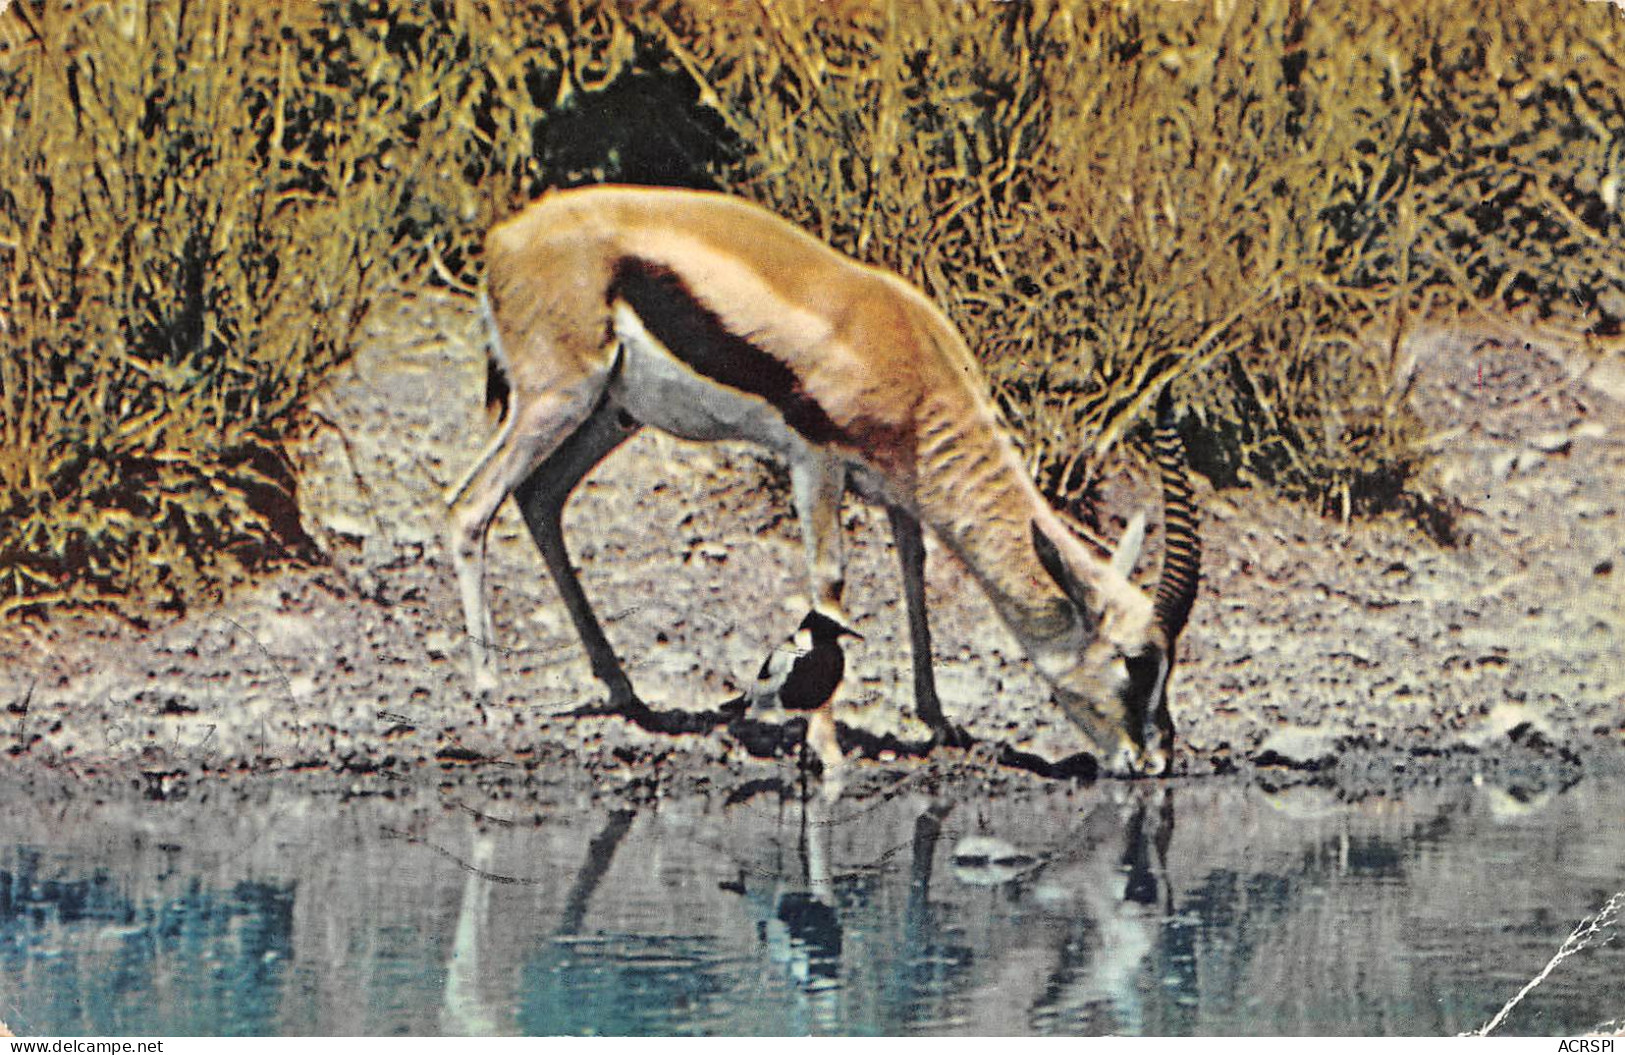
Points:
[[1193, 907]]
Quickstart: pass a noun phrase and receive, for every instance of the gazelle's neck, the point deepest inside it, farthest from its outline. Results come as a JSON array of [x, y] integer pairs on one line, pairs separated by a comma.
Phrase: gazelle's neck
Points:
[[972, 490]]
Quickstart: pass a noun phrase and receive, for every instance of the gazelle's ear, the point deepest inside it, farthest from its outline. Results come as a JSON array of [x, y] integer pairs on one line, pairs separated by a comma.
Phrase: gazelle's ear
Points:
[[1076, 590], [1127, 553]]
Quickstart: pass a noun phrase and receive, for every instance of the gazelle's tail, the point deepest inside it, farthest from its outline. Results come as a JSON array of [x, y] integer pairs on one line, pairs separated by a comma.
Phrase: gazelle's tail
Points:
[[497, 390], [498, 397]]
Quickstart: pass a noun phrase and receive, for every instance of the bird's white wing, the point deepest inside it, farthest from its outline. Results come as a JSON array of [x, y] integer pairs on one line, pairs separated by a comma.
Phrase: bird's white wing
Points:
[[764, 691]]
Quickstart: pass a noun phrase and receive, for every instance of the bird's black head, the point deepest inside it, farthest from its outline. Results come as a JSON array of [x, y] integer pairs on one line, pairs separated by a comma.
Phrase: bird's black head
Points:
[[825, 628]]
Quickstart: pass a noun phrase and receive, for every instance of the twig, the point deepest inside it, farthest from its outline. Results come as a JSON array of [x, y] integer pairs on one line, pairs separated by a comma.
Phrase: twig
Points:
[[1579, 938]]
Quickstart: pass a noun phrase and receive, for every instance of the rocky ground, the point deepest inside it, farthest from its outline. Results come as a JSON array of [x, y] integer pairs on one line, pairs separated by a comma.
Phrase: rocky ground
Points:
[[1356, 653]]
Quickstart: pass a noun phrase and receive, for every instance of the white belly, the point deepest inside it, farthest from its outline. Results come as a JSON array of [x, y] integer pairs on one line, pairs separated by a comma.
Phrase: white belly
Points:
[[658, 389]]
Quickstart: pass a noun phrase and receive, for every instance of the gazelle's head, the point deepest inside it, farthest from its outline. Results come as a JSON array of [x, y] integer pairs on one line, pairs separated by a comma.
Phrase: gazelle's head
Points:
[[1111, 678], [1115, 685]]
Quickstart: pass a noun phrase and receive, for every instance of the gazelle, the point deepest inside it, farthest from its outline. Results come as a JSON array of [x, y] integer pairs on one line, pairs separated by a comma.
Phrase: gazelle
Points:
[[711, 318]]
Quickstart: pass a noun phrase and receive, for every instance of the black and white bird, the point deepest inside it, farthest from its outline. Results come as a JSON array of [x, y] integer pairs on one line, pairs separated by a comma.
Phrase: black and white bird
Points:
[[803, 675]]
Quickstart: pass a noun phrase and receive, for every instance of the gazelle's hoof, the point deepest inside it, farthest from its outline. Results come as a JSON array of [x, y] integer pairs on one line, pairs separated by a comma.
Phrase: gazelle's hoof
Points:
[[625, 704]]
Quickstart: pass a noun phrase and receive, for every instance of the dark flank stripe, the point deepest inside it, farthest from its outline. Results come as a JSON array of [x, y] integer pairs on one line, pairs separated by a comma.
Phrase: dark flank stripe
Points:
[[1182, 556], [694, 334]]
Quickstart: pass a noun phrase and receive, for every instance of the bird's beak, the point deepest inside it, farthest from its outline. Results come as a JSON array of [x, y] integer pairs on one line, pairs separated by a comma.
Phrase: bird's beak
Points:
[[850, 633]]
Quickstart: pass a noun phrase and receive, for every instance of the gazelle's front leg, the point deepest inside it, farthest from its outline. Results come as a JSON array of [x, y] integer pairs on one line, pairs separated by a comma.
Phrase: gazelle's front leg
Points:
[[910, 544], [534, 431], [817, 482]]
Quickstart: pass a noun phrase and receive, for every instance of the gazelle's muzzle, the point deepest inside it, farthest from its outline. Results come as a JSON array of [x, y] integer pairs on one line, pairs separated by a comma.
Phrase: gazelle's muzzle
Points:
[[1128, 741]]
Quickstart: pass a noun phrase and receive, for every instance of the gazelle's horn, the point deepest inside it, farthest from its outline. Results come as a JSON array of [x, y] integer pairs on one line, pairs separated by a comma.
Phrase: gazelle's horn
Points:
[[1182, 547], [1127, 553]]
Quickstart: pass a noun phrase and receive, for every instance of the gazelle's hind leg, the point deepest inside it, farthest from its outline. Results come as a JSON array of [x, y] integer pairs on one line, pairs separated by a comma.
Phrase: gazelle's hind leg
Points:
[[536, 428], [541, 498]]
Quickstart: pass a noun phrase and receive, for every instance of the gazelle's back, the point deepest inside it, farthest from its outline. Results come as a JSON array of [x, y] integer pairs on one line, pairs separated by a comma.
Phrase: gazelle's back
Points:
[[859, 338]]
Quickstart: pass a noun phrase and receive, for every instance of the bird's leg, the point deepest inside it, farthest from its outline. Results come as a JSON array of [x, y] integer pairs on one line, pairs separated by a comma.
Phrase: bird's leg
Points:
[[827, 747]]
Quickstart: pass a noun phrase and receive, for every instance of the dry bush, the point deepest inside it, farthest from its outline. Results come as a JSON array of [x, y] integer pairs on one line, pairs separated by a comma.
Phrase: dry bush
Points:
[[480, 106], [184, 253]]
